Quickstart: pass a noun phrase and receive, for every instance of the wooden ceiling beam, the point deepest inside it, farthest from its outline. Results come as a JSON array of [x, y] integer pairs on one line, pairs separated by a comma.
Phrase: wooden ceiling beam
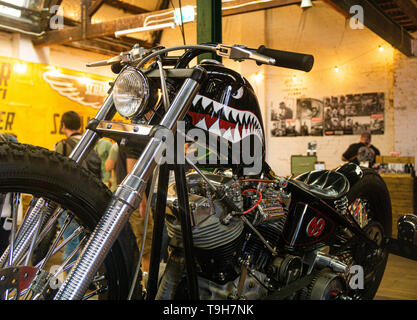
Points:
[[108, 28], [95, 7], [93, 45], [104, 46], [11, 24], [95, 30], [389, 10], [126, 6], [408, 8], [380, 23]]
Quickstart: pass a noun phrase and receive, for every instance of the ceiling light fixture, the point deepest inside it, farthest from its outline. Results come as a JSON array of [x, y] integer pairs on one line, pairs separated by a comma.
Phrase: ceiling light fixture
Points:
[[187, 12], [306, 4]]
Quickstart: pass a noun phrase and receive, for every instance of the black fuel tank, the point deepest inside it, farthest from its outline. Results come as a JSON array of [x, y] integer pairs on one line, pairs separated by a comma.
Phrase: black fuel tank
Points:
[[226, 107]]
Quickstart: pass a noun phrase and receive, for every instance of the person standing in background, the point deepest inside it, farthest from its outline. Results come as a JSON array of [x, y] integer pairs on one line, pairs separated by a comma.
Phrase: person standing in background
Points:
[[71, 125], [362, 153], [116, 164], [102, 148]]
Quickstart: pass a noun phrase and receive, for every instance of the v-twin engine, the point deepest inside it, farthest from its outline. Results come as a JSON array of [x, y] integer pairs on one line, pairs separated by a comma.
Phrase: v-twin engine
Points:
[[224, 246]]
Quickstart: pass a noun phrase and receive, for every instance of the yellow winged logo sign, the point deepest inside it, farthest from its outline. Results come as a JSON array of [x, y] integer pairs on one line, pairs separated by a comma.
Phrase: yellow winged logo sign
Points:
[[86, 91]]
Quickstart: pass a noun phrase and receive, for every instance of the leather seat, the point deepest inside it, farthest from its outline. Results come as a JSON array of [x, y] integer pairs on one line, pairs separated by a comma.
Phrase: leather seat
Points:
[[325, 184]]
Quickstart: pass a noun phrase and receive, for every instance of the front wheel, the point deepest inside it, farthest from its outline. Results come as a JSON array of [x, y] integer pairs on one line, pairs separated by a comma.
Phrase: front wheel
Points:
[[68, 201]]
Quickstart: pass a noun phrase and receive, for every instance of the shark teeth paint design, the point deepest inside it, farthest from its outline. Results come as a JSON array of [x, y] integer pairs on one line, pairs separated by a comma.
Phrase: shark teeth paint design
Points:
[[196, 99], [226, 112], [204, 102], [227, 122], [217, 106], [202, 124], [215, 128], [228, 135]]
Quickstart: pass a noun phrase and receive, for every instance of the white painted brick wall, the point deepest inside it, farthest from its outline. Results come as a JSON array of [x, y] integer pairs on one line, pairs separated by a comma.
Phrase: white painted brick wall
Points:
[[363, 68], [405, 104]]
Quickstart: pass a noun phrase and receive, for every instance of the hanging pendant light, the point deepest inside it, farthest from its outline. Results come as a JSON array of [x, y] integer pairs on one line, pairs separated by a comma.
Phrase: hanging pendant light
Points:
[[306, 4]]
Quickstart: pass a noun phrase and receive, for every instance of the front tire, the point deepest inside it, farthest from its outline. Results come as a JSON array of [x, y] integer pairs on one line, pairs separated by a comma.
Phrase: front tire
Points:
[[44, 174]]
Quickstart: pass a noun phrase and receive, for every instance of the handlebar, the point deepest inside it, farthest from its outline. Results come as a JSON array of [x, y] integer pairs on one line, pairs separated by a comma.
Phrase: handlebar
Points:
[[262, 55], [287, 59]]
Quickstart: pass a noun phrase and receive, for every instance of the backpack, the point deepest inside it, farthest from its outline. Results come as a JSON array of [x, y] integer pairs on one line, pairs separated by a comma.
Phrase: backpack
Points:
[[92, 162]]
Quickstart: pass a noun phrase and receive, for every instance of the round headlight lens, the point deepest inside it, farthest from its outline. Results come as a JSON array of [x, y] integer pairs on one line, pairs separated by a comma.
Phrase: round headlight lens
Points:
[[131, 93]]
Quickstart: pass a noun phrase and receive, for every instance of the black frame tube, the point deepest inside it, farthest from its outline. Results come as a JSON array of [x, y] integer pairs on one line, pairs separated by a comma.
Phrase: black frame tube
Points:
[[158, 229], [187, 236]]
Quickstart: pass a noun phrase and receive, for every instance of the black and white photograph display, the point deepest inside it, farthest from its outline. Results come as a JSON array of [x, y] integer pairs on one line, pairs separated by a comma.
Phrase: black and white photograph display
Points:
[[284, 122], [354, 114], [310, 116], [333, 115]]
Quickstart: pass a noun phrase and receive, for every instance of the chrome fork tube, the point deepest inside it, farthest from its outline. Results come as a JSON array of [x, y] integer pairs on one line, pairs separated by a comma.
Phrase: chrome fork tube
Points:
[[24, 234], [126, 198]]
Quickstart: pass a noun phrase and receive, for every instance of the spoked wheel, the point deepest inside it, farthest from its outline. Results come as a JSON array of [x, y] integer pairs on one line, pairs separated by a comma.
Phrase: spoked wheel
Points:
[[55, 205], [370, 206]]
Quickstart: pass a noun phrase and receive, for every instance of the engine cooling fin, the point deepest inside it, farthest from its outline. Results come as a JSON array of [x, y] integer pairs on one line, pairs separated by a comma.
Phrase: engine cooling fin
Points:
[[260, 256]]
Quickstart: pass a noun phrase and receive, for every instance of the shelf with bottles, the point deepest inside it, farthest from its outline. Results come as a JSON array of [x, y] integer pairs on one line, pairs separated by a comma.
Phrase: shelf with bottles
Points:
[[395, 165]]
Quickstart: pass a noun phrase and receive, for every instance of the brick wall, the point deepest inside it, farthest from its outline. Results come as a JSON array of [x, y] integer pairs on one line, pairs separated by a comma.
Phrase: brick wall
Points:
[[323, 32], [405, 104]]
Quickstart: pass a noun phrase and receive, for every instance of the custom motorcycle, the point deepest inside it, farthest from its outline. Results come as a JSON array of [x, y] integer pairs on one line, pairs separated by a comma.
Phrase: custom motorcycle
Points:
[[236, 230]]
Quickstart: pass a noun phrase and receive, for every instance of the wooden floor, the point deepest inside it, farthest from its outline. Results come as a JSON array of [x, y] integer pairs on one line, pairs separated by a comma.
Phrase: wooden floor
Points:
[[399, 281]]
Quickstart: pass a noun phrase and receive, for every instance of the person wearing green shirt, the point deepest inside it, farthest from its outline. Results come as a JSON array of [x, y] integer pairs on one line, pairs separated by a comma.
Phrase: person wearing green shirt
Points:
[[103, 147], [110, 165]]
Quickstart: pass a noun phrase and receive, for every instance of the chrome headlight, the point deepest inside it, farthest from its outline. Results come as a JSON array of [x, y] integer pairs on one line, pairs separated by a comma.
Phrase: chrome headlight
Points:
[[131, 93]]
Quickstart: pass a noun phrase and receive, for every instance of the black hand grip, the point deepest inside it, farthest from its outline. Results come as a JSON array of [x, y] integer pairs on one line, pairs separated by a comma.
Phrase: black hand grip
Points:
[[286, 59]]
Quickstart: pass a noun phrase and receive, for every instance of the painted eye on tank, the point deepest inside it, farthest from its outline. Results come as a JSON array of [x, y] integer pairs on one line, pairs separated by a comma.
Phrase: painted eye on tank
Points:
[[238, 94]]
